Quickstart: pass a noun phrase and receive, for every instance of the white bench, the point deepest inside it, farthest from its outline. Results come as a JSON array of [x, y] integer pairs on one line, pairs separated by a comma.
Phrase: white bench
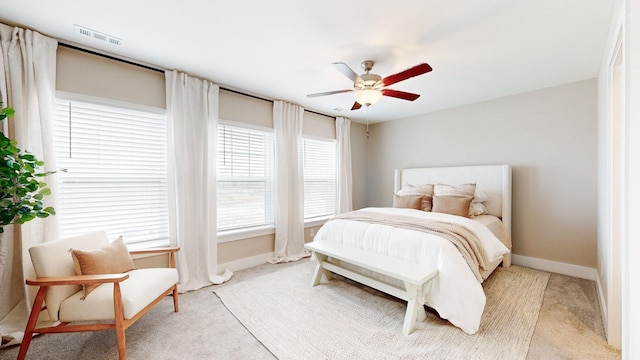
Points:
[[413, 275]]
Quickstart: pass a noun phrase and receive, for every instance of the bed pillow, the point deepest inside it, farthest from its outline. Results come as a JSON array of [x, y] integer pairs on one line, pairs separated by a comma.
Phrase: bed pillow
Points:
[[113, 258], [407, 201], [462, 190], [454, 205], [479, 196], [478, 208], [455, 190], [426, 190]]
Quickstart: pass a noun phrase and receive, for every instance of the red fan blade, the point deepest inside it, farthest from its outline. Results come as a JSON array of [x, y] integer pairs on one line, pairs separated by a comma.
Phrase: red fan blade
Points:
[[345, 70], [409, 73], [356, 106], [400, 94], [329, 93]]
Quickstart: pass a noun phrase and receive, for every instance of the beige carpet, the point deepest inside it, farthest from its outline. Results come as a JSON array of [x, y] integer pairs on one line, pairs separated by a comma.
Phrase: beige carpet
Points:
[[338, 320]]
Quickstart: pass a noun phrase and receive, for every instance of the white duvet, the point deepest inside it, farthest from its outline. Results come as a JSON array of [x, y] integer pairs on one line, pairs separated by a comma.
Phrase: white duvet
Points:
[[454, 293]]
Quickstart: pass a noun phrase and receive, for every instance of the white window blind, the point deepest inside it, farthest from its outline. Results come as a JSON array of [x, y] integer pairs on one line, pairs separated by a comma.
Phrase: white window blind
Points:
[[319, 178], [116, 177], [244, 178]]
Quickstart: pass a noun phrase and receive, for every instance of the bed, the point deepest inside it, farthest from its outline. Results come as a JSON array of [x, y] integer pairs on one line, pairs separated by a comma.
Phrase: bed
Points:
[[456, 291]]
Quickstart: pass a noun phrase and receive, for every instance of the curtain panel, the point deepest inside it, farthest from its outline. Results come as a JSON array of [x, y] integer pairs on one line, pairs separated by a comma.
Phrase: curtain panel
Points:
[[192, 116], [287, 126], [27, 84], [344, 201]]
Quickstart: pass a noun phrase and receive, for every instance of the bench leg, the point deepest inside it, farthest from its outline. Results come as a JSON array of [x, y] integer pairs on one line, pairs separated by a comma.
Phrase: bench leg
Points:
[[317, 275], [415, 308]]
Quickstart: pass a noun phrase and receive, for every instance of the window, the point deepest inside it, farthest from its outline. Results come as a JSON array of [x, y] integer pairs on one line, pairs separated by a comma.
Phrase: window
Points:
[[319, 178], [116, 177], [244, 177]]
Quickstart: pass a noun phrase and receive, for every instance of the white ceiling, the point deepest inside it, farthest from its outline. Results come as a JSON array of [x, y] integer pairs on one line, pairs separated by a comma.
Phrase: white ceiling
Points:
[[479, 50]]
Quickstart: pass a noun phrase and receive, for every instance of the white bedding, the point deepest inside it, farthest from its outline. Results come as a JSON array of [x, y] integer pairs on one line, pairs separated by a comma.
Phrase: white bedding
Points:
[[455, 293]]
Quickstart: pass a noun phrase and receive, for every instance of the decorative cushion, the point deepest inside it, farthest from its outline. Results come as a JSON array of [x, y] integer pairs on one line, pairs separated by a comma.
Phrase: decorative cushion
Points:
[[454, 205], [113, 258], [407, 201], [426, 190], [462, 190]]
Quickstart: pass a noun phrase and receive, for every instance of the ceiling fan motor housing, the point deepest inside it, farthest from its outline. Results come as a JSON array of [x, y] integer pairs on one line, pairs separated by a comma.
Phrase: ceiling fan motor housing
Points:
[[369, 81]]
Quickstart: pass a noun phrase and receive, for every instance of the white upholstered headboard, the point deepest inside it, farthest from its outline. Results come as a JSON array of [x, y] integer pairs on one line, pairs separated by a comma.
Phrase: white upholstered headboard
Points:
[[493, 180]]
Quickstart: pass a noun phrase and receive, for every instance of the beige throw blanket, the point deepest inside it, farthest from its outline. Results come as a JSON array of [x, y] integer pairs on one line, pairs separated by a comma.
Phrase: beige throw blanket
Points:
[[465, 240]]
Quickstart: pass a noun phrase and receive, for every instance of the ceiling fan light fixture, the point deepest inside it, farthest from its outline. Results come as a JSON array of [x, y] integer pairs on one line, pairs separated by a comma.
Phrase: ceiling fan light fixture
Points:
[[367, 96]]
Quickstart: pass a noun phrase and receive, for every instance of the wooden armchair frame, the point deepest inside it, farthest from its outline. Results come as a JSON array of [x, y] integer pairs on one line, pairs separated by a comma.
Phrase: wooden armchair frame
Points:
[[120, 324]]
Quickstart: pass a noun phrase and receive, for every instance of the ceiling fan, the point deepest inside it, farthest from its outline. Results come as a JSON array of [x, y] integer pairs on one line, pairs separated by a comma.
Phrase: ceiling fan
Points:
[[369, 88]]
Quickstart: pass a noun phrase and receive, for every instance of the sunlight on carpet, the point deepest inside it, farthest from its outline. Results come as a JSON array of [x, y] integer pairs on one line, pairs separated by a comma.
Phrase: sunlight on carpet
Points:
[[339, 320]]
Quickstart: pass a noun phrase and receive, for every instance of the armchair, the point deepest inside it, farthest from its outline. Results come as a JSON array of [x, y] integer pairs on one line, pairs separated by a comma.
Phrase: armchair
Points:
[[119, 301]]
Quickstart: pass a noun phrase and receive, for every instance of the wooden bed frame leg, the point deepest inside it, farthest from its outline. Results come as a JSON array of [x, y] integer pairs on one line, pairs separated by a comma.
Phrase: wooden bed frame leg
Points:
[[506, 260], [31, 323]]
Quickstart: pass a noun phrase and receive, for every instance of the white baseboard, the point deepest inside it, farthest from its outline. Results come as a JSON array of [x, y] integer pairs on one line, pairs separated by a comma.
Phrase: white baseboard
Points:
[[578, 271], [245, 263]]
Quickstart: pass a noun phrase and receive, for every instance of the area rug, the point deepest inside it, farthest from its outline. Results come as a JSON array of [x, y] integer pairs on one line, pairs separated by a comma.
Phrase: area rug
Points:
[[340, 319]]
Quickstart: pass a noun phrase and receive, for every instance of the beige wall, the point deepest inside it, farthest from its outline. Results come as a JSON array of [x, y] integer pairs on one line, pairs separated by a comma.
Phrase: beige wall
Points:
[[359, 155], [548, 136], [82, 73]]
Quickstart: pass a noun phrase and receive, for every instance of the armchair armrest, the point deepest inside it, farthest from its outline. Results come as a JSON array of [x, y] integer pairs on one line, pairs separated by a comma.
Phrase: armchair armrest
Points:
[[78, 280], [166, 250], [154, 251]]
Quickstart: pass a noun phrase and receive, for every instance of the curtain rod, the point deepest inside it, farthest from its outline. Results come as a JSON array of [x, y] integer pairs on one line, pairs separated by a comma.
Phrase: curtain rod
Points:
[[162, 71]]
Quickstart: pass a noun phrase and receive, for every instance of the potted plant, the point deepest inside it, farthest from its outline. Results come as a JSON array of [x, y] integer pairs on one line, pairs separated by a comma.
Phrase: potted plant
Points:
[[21, 190]]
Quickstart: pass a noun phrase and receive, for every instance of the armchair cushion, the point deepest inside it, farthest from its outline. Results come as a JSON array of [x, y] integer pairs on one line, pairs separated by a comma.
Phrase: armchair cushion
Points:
[[140, 289], [112, 258], [51, 259]]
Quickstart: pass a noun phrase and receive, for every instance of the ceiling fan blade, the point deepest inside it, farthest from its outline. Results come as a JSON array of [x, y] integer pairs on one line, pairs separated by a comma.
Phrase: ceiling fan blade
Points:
[[400, 94], [345, 70], [356, 106], [329, 93], [409, 73]]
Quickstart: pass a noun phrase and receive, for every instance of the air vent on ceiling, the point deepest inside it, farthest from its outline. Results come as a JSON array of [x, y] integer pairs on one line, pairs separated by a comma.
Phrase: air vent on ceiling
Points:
[[97, 35]]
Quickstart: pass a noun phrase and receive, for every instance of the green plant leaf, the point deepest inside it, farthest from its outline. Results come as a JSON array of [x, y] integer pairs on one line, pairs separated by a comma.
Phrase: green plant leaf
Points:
[[21, 193]]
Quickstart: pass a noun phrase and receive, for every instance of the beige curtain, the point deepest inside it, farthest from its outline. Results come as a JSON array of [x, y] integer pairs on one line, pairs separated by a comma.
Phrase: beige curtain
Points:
[[343, 164], [287, 126], [27, 84], [192, 115]]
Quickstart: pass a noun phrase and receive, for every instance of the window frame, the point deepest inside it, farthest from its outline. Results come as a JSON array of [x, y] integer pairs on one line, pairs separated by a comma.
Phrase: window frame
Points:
[[63, 96], [229, 235], [318, 220]]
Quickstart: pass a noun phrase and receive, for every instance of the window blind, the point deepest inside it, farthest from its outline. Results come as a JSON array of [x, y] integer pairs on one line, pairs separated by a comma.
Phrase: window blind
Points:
[[244, 178], [116, 177], [319, 178]]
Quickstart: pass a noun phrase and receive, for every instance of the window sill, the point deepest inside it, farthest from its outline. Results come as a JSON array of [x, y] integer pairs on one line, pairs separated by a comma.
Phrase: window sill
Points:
[[242, 234], [235, 235], [317, 221]]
